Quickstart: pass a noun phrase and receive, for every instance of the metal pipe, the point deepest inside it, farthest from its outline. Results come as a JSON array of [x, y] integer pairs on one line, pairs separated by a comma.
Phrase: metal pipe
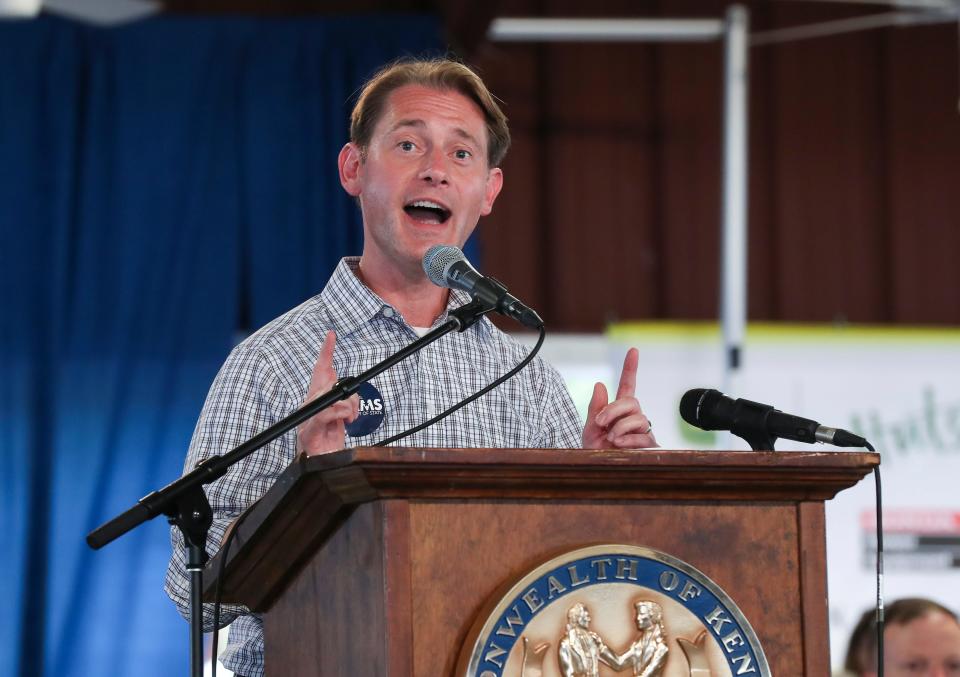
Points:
[[733, 287], [605, 30]]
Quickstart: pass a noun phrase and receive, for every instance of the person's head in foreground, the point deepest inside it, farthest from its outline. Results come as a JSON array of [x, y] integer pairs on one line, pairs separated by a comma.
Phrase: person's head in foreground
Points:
[[921, 638]]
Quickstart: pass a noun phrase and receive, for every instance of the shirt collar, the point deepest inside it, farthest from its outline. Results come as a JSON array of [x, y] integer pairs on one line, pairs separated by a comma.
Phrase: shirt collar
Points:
[[350, 303]]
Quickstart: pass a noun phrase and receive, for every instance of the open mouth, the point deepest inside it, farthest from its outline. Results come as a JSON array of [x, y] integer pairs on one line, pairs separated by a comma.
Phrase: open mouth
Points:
[[427, 211]]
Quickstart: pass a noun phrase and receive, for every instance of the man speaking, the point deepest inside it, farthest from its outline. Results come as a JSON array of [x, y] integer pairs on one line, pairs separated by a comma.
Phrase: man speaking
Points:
[[426, 142]]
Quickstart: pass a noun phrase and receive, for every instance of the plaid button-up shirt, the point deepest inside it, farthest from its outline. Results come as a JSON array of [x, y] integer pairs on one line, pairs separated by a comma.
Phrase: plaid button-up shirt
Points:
[[266, 377]]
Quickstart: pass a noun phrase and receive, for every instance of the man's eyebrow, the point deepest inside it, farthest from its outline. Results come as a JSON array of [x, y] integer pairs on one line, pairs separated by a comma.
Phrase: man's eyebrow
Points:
[[410, 122], [421, 124], [464, 134]]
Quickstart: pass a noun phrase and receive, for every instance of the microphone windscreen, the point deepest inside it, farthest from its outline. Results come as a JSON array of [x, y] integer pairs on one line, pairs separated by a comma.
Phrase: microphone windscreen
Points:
[[695, 405], [438, 260], [688, 405]]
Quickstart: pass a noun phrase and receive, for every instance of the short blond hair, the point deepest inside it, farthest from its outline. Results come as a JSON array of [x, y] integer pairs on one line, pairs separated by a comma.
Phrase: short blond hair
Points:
[[439, 74]]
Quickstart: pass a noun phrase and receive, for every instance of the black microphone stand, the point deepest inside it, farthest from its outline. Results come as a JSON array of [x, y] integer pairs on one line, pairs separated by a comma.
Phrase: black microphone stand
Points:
[[185, 504]]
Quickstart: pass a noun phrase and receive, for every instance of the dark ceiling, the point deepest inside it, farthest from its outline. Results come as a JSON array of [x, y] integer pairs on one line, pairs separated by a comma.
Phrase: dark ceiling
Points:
[[465, 21]]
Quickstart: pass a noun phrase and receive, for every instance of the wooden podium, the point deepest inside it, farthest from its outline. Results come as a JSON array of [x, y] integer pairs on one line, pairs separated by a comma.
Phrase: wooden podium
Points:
[[376, 561]]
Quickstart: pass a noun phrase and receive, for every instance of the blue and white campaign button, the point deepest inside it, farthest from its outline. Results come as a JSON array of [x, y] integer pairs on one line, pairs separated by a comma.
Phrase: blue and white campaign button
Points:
[[372, 411]]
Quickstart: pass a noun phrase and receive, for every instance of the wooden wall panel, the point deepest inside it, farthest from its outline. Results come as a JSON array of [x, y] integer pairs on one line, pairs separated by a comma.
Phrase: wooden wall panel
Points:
[[923, 140], [601, 179], [854, 163], [690, 111], [762, 280], [829, 217], [594, 149], [513, 234]]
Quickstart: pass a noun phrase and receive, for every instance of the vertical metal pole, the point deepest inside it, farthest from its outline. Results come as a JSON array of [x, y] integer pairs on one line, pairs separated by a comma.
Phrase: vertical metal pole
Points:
[[733, 264], [195, 559]]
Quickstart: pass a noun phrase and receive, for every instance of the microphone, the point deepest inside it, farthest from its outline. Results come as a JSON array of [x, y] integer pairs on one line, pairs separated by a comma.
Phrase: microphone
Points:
[[446, 266], [759, 424]]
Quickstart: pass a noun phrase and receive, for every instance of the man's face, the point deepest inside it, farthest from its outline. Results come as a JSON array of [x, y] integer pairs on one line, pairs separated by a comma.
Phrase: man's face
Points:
[[644, 617], [583, 620], [928, 646], [423, 180]]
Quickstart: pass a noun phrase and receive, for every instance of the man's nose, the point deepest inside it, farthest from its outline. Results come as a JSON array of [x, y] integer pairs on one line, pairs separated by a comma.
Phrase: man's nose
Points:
[[434, 168]]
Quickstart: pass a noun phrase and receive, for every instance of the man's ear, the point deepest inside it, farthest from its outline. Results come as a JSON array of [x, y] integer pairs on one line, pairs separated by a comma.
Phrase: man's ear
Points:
[[492, 189], [350, 164]]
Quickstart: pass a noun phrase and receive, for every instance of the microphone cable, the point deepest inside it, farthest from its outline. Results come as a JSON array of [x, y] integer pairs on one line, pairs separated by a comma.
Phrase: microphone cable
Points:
[[464, 402], [880, 616]]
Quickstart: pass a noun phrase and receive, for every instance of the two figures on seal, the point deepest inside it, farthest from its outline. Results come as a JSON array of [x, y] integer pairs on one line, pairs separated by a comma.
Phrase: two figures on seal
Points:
[[582, 650]]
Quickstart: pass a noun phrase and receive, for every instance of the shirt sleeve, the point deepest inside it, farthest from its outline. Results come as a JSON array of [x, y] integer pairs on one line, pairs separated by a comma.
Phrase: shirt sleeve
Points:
[[560, 425], [246, 397]]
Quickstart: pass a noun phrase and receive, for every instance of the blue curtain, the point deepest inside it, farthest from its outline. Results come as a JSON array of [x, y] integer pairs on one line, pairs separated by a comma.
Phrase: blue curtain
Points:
[[162, 186]]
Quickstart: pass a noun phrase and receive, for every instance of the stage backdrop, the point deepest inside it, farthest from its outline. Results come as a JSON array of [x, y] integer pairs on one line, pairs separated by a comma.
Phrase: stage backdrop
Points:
[[163, 186]]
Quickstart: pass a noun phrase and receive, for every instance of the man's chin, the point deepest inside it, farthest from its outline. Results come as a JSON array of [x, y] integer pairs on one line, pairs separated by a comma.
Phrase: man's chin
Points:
[[424, 246]]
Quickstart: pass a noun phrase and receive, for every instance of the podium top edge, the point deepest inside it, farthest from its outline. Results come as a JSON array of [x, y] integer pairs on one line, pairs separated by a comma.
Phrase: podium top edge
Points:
[[431, 456]]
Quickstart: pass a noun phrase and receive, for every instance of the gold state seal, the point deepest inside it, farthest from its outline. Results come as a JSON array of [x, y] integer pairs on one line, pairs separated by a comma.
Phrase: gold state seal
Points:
[[613, 609]]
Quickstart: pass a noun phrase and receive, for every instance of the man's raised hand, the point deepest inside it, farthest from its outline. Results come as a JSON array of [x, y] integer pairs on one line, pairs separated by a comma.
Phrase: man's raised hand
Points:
[[620, 424], [326, 431]]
